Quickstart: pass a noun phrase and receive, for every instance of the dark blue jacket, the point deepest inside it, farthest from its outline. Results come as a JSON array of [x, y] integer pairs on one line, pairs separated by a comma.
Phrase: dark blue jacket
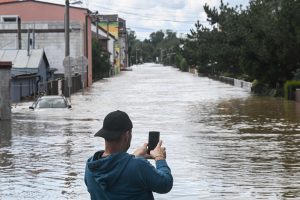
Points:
[[123, 176]]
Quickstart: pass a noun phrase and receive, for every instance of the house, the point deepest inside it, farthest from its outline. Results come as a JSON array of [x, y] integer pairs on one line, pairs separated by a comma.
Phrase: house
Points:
[[107, 41], [117, 27], [30, 72], [42, 26]]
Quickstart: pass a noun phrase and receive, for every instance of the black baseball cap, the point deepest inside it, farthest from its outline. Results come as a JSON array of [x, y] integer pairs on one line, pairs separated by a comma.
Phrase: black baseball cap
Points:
[[114, 124]]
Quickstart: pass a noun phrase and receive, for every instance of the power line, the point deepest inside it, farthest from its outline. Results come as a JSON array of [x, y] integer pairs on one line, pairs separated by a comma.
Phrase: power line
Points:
[[142, 17], [144, 9], [148, 17], [163, 20], [152, 29], [169, 10]]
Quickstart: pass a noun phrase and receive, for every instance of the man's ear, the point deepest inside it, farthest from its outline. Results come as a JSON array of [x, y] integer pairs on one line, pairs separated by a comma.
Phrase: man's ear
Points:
[[125, 136]]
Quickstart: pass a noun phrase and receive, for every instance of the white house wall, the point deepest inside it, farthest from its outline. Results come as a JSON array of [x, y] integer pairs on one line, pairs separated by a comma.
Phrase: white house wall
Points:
[[122, 50], [111, 50], [52, 41]]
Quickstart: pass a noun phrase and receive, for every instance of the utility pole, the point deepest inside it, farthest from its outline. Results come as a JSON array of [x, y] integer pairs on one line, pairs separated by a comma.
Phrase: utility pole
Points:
[[19, 34], [127, 48], [67, 25], [136, 55], [97, 29], [28, 42], [107, 28], [68, 71], [67, 31], [67, 90], [95, 15], [161, 55]]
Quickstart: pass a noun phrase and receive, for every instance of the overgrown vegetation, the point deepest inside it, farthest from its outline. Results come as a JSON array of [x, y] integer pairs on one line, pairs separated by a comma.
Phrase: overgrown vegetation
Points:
[[101, 64], [290, 88], [260, 42]]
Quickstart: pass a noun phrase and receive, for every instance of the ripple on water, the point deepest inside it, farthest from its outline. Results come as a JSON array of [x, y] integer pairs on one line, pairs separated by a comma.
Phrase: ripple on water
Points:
[[222, 143]]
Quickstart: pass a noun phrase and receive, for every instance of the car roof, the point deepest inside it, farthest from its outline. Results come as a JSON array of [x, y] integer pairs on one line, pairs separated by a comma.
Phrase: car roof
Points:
[[52, 97]]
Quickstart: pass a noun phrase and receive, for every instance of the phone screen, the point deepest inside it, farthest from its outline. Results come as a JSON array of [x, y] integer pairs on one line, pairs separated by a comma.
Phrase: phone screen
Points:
[[152, 140]]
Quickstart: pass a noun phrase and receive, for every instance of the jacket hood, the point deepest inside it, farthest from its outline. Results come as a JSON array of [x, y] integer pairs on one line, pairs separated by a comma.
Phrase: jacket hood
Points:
[[107, 170]]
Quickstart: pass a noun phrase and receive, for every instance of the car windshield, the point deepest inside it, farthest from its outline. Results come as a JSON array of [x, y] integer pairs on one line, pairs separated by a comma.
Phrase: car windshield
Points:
[[51, 103]]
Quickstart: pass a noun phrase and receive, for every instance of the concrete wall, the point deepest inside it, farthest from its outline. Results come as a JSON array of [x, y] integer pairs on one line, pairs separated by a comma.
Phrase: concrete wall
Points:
[[122, 52], [235, 82], [5, 106], [49, 36], [8, 40], [43, 12], [111, 44], [243, 84]]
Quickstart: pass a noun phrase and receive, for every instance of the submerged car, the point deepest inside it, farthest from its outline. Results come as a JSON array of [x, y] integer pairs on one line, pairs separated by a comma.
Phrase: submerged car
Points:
[[50, 102]]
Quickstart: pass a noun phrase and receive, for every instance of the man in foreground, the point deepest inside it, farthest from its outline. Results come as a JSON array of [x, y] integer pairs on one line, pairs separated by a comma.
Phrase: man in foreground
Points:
[[114, 174]]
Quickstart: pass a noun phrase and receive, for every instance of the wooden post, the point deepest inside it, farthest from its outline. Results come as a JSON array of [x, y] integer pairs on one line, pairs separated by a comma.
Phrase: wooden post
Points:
[[5, 77]]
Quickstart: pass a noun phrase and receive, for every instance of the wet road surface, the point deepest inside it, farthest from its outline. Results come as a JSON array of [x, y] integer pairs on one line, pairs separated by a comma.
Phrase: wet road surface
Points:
[[222, 142]]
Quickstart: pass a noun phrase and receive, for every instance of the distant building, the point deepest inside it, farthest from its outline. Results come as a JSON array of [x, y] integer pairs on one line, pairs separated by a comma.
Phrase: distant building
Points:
[[117, 27], [30, 72], [107, 41]]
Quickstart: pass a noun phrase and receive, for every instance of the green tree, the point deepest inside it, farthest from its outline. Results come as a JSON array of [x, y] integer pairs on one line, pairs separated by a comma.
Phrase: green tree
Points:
[[271, 49], [260, 42], [159, 44], [196, 48], [101, 64], [131, 39], [157, 37]]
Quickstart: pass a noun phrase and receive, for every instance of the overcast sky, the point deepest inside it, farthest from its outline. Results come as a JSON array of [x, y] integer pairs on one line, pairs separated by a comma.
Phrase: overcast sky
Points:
[[147, 16]]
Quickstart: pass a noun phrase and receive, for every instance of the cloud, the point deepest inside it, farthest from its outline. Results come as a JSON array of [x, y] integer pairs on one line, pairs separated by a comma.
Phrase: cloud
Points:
[[175, 4], [147, 16]]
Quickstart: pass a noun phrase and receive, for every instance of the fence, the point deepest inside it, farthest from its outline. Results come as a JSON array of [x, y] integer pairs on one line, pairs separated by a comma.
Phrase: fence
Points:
[[57, 87], [30, 89], [235, 82]]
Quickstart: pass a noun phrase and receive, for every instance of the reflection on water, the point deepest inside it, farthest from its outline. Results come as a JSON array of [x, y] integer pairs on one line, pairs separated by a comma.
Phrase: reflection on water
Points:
[[6, 160], [253, 148], [222, 142], [5, 133]]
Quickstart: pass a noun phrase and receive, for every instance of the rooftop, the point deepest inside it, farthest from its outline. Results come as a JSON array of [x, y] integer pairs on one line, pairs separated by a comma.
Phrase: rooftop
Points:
[[20, 58]]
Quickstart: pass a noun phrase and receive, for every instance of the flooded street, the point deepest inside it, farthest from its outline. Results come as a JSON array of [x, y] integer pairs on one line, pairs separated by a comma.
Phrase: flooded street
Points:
[[222, 142]]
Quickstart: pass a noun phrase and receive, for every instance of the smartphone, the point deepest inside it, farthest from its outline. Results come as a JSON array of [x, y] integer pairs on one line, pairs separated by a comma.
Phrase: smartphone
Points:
[[152, 140]]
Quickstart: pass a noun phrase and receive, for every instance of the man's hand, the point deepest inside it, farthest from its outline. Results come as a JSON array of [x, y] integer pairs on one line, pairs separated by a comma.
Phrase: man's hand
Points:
[[159, 153], [142, 152]]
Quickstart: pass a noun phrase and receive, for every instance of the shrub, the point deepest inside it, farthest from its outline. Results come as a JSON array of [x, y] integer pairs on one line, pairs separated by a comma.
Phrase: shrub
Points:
[[178, 60], [290, 88], [183, 65]]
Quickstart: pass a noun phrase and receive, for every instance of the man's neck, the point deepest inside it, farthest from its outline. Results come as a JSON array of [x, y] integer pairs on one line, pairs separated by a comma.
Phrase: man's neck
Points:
[[111, 149]]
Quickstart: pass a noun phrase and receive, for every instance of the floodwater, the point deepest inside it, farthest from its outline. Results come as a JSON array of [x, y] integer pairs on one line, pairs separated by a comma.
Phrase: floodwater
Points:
[[222, 142]]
